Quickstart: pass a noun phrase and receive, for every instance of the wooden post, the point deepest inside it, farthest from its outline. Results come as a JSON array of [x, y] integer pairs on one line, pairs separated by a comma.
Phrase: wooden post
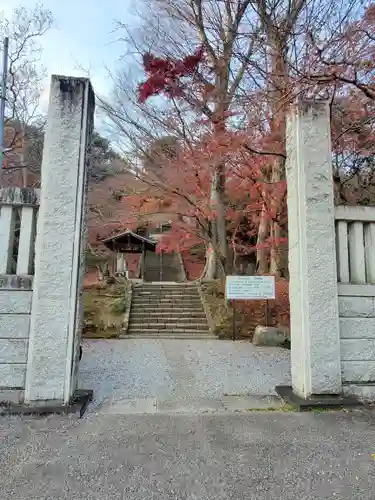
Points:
[[161, 266], [234, 320], [143, 260]]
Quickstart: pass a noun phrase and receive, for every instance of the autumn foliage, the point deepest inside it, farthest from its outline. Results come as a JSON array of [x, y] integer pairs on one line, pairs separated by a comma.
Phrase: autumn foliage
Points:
[[164, 75], [225, 106], [181, 190]]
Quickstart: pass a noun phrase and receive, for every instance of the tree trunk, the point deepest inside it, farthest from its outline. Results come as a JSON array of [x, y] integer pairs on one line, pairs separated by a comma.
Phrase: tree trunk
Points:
[[278, 174], [24, 177], [218, 226], [275, 264], [22, 159], [211, 263], [262, 251], [218, 202]]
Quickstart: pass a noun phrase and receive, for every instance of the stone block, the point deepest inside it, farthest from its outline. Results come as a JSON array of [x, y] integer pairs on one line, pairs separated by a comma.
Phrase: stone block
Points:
[[14, 326], [356, 307], [270, 335], [13, 350], [12, 376], [15, 302], [364, 392], [357, 350], [352, 328], [358, 371], [11, 396]]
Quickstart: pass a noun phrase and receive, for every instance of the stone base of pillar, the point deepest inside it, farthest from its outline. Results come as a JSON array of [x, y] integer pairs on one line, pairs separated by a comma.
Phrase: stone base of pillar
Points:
[[78, 405], [324, 401]]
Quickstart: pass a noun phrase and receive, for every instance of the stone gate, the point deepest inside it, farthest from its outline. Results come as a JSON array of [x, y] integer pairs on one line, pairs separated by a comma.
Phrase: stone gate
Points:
[[42, 237]]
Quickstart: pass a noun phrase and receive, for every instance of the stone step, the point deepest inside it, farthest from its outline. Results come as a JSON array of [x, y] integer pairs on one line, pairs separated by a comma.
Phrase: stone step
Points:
[[181, 336], [165, 311], [154, 313], [163, 293], [166, 285], [168, 330], [168, 291], [151, 296], [157, 300], [135, 325], [168, 309], [172, 296], [164, 322], [172, 314], [163, 298], [172, 288], [166, 304], [153, 299]]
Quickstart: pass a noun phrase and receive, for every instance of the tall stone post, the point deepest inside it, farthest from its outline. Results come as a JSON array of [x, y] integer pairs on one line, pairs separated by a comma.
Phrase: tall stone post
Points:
[[315, 342], [57, 288]]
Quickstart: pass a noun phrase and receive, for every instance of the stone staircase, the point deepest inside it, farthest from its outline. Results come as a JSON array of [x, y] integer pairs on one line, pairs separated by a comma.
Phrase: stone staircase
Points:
[[162, 267], [168, 310]]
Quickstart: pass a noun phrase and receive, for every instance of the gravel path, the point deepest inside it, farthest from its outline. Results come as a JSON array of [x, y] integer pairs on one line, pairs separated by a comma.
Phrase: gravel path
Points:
[[180, 370]]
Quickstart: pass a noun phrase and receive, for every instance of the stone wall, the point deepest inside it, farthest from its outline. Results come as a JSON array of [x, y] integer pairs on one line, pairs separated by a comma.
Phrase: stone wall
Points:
[[18, 213], [15, 305], [355, 250], [357, 344]]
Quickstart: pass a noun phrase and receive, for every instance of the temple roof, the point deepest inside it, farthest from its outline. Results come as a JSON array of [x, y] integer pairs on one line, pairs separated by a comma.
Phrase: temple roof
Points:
[[128, 241]]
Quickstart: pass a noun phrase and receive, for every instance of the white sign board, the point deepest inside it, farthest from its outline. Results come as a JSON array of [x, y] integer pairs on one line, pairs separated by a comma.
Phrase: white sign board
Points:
[[250, 287]]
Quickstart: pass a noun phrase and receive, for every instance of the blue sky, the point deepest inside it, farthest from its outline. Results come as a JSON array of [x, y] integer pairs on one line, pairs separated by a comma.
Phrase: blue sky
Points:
[[81, 38]]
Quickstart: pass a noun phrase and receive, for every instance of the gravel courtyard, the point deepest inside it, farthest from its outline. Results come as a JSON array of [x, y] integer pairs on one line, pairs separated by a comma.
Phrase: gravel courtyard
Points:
[[179, 370]]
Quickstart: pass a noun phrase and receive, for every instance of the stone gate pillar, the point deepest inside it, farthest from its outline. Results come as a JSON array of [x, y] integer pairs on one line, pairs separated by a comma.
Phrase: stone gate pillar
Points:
[[315, 342], [56, 309]]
